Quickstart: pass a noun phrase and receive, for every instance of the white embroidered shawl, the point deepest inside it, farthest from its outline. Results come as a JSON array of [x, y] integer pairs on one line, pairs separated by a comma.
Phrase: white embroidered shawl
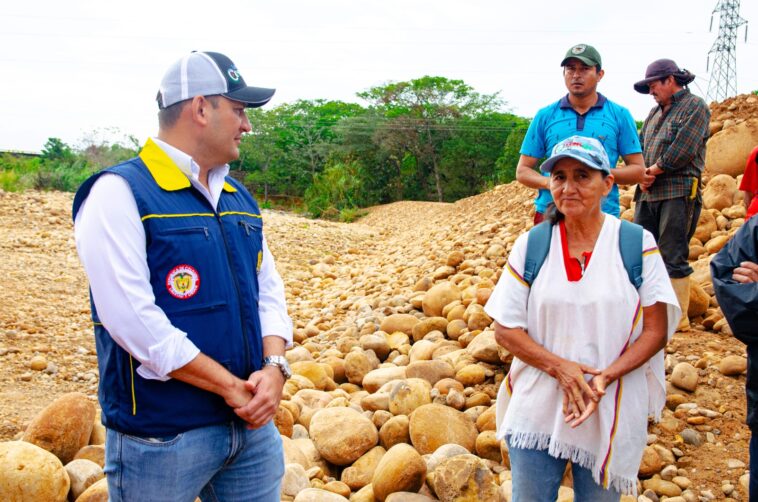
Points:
[[591, 321]]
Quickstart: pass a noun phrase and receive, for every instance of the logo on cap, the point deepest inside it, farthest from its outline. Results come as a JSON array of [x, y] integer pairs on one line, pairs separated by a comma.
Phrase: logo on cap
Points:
[[232, 72], [578, 49]]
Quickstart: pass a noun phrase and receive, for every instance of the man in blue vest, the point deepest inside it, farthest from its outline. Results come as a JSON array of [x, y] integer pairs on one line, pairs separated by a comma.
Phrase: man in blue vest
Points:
[[189, 311], [582, 112]]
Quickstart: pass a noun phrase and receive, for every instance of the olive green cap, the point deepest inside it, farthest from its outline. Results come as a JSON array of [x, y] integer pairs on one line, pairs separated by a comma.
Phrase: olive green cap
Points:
[[584, 53]]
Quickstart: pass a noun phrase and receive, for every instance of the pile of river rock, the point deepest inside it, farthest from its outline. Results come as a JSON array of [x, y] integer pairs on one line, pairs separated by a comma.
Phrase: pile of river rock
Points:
[[396, 366]]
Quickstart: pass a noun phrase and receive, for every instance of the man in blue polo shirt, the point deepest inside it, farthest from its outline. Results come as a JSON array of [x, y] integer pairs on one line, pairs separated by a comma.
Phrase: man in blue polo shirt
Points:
[[584, 112]]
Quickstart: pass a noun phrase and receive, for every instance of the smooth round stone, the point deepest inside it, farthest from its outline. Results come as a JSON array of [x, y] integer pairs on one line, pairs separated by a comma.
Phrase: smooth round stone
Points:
[[30, 473], [342, 435], [64, 426], [434, 425], [400, 469]]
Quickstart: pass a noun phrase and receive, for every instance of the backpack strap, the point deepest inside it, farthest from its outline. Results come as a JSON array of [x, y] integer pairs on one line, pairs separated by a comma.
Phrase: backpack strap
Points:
[[630, 245], [537, 248]]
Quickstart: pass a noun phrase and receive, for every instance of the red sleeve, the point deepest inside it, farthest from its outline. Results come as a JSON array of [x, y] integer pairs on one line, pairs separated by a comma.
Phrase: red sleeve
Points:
[[750, 178]]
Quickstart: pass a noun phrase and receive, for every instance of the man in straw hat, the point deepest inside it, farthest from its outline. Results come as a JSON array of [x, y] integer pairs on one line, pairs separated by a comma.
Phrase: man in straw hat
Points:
[[673, 137]]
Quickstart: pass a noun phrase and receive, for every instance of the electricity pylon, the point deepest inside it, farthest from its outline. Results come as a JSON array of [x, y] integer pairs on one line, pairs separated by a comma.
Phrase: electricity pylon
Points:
[[723, 80]]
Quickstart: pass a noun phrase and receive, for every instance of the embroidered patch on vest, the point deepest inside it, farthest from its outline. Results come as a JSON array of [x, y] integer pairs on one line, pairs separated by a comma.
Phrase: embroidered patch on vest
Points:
[[182, 282]]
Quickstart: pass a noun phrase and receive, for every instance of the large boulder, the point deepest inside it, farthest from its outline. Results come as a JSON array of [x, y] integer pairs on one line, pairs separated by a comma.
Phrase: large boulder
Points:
[[361, 472], [97, 492], [684, 376], [464, 477], [488, 446], [699, 300], [317, 373], [63, 427], [733, 365], [357, 366], [407, 395], [318, 495], [400, 469], [701, 270], [293, 453], [434, 425], [295, 480], [719, 192], [394, 431], [82, 473], [651, 462], [484, 347], [399, 322], [429, 324], [714, 245], [342, 435], [93, 452], [431, 371], [408, 497], [375, 379], [706, 225], [727, 150], [29, 473], [438, 296]]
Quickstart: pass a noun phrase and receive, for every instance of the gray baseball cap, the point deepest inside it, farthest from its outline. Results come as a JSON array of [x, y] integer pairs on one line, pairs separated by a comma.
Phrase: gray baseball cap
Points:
[[208, 74], [588, 151]]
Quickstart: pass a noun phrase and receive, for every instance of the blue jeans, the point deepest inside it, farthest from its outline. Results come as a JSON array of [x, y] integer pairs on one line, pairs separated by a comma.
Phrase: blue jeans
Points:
[[536, 477], [219, 463]]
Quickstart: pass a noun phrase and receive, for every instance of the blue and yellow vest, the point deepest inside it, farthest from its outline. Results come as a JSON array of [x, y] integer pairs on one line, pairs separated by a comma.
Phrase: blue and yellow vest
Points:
[[203, 271]]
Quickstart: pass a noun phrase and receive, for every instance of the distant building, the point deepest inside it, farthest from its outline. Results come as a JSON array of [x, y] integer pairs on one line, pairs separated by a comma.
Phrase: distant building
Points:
[[20, 154]]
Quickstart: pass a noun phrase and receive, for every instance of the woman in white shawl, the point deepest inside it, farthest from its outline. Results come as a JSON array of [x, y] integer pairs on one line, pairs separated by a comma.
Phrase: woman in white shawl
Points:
[[588, 367]]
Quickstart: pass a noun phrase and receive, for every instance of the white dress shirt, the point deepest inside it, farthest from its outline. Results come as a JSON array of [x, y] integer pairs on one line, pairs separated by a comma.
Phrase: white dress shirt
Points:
[[111, 243]]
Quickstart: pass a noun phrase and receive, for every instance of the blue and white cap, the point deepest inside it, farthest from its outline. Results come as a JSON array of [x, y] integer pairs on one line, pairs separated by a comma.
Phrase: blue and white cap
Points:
[[208, 74], [586, 150]]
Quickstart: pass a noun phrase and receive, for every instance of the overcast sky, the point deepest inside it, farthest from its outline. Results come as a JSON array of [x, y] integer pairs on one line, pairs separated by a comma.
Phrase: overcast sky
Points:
[[77, 68]]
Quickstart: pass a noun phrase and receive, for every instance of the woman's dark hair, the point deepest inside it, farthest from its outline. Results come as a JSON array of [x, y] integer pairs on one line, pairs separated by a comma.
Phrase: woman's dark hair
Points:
[[552, 214]]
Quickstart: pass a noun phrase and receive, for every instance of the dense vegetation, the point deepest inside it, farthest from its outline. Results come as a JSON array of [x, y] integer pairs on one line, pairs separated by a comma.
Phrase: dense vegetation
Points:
[[60, 167], [425, 139]]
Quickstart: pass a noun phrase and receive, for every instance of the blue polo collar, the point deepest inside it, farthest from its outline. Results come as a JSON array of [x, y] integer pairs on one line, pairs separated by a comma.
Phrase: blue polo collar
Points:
[[565, 103]]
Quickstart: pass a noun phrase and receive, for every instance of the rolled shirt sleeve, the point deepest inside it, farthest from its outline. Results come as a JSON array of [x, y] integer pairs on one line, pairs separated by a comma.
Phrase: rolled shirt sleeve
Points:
[[272, 305], [110, 240]]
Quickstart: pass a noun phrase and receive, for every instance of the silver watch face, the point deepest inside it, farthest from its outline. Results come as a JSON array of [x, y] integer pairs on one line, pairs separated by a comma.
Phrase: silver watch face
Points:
[[280, 362]]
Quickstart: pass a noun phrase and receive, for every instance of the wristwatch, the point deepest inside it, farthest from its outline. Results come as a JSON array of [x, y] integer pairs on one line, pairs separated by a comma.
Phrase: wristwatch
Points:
[[280, 362]]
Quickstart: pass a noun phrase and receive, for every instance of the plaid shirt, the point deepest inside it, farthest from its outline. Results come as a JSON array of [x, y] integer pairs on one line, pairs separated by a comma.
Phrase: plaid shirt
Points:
[[675, 140]]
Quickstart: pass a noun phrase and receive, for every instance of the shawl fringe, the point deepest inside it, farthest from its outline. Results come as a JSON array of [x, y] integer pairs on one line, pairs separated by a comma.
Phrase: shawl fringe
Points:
[[578, 456]]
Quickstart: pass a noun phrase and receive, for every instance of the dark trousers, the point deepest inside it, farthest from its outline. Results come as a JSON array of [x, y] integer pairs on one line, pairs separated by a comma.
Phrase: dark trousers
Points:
[[672, 222], [753, 487]]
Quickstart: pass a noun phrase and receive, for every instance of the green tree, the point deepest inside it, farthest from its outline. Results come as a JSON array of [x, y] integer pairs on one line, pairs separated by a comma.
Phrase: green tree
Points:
[[56, 150], [334, 190], [290, 144], [505, 165], [425, 110]]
